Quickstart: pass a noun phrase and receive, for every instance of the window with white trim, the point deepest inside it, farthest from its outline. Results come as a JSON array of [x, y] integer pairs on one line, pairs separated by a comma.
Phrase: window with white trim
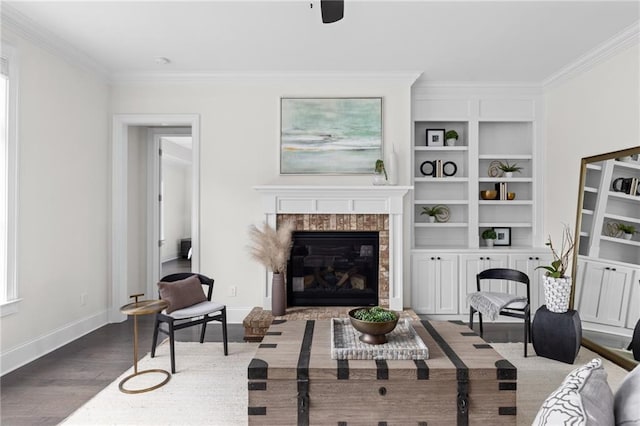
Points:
[[8, 184]]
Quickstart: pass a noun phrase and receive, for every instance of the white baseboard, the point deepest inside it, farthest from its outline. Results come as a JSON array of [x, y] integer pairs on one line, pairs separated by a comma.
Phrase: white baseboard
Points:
[[236, 315], [27, 352]]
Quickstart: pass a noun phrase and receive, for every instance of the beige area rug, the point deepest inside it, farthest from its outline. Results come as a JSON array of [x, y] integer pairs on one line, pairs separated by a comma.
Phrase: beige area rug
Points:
[[207, 389], [211, 389], [538, 377]]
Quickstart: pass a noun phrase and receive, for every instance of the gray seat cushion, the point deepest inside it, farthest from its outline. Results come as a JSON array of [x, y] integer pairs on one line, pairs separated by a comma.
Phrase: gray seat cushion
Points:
[[197, 310], [491, 303]]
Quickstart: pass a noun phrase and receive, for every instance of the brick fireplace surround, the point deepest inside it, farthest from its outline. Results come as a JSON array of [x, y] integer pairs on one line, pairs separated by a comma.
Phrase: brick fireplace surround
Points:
[[351, 222], [337, 208]]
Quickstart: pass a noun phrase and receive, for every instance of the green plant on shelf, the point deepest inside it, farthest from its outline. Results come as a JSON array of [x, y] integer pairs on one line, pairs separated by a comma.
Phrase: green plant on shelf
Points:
[[433, 211], [509, 168], [627, 229], [381, 169], [489, 234], [451, 134]]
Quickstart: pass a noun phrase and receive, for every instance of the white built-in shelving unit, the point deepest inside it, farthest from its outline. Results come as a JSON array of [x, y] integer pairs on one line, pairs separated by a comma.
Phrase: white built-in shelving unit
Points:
[[446, 256]]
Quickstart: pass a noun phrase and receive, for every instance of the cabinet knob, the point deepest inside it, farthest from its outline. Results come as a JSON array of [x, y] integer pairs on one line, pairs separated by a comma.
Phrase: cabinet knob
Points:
[[481, 258], [433, 258], [488, 258], [530, 258], [613, 269], [438, 257], [537, 258], [607, 268]]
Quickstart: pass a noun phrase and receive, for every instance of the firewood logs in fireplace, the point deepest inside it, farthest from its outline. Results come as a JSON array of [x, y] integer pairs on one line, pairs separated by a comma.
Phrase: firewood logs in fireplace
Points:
[[330, 278]]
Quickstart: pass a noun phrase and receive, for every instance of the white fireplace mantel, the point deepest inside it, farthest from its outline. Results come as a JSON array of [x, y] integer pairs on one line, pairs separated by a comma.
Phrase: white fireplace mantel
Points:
[[321, 199]]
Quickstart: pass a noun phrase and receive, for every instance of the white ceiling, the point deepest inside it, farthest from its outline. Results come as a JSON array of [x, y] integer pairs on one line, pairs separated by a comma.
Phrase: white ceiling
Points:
[[504, 41]]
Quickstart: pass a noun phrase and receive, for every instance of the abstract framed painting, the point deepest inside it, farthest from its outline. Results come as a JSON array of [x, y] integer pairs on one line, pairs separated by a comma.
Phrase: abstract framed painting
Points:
[[330, 136]]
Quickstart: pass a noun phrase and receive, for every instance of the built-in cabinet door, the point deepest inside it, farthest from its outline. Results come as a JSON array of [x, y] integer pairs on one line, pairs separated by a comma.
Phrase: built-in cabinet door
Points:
[[470, 266], [528, 264], [604, 293], [634, 301], [435, 284]]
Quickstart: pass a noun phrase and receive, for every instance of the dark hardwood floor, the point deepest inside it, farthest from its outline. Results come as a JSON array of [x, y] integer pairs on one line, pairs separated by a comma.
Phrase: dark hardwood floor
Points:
[[47, 390]]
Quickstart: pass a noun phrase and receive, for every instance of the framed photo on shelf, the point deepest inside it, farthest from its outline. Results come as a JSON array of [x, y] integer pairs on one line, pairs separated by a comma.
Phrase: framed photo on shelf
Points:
[[435, 137], [503, 236]]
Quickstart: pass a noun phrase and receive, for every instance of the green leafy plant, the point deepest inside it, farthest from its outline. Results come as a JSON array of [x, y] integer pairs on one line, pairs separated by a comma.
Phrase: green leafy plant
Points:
[[561, 258], [375, 314], [627, 229], [433, 211], [451, 134], [489, 234], [380, 168], [506, 167]]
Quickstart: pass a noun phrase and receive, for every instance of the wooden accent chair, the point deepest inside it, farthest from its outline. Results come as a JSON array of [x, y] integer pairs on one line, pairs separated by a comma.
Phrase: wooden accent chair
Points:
[[199, 313], [513, 305]]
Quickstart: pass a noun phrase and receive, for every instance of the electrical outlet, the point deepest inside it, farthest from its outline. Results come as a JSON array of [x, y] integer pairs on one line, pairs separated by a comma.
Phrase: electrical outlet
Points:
[[83, 299], [233, 291]]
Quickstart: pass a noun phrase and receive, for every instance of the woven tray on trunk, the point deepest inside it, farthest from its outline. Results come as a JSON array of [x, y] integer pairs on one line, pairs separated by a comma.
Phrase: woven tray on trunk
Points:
[[402, 343]]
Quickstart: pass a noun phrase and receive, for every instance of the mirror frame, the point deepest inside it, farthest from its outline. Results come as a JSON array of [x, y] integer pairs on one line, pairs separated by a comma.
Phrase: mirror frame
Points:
[[620, 360]]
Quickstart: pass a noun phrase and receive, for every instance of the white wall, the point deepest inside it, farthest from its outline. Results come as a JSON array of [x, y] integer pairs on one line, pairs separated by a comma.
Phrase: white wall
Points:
[[137, 210], [239, 149], [63, 207], [593, 113]]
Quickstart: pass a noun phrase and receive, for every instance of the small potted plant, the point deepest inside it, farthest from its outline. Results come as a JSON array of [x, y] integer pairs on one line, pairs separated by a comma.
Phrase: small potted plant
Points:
[[556, 284], [380, 174], [451, 137], [374, 323], [433, 212], [489, 236], [627, 230], [509, 169]]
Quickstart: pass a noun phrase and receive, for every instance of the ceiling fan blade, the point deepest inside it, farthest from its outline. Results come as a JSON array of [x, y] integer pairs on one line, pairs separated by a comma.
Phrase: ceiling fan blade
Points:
[[332, 10]]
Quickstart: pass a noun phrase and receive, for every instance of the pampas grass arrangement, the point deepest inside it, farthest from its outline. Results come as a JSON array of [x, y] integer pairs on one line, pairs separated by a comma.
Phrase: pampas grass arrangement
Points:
[[271, 247]]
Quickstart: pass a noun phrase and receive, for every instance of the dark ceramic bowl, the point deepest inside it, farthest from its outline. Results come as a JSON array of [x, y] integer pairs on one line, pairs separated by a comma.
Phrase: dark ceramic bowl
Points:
[[373, 333]]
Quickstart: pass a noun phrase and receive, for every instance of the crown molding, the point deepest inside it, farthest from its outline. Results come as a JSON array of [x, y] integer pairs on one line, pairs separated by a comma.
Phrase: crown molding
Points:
[[624, 39], [423, 83], [214, 77], [26, 28]]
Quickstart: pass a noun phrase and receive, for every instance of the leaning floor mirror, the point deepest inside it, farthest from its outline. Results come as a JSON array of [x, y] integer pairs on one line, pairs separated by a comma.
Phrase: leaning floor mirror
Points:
[[606, 265]]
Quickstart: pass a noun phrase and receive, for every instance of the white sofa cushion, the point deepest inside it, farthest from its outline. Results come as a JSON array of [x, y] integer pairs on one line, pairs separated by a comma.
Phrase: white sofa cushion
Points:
[[627, 400], [583, 398]]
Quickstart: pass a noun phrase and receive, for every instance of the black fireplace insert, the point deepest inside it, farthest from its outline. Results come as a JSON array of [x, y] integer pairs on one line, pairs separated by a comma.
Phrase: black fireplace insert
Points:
[[333, 269]]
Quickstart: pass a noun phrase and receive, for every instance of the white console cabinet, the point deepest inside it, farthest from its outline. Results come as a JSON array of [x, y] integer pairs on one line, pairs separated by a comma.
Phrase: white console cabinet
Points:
[[470, 266], [435, 283], [440, 281]]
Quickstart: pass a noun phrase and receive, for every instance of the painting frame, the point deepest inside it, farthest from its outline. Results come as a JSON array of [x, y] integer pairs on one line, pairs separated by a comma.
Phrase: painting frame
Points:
[[503, 236], [330, 135], [434, 137]]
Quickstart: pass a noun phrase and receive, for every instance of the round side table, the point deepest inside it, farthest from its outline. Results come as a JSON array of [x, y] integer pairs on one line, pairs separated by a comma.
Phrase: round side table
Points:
[[142, 307]]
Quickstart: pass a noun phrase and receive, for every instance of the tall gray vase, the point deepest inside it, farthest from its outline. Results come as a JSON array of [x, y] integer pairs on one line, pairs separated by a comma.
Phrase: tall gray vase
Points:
[[278, 295]]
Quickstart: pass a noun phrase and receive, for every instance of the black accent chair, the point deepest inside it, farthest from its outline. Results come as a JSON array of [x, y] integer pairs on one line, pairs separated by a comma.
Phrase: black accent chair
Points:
[[517, 309], [200, 313]]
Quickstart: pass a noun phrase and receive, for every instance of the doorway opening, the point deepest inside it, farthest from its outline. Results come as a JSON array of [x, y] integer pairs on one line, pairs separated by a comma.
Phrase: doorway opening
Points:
[[140, 238]]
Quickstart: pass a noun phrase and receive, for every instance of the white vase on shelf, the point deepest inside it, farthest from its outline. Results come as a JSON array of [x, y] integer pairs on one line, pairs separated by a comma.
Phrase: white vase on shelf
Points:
[[392, 166]]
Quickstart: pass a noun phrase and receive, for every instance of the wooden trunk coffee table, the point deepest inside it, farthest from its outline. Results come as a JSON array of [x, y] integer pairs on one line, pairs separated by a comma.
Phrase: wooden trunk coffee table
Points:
[[293, 380]]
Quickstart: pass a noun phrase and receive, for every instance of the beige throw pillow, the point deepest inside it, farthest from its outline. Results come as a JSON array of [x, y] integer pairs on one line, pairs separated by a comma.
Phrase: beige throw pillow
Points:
[[181, 294]]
